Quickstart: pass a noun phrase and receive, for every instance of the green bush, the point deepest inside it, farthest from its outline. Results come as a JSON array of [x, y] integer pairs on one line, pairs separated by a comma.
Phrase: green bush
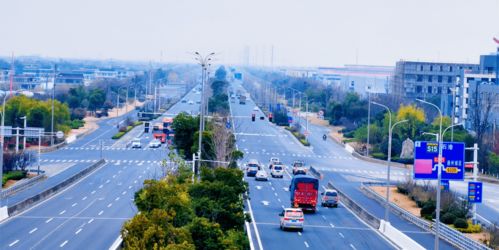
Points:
[[349, 134], [76, 124], [13, 175], [428, 209], [470, 229], [402, 190], [459, 223], [118, 135], [449, 218], [380, 156], [305, 142]]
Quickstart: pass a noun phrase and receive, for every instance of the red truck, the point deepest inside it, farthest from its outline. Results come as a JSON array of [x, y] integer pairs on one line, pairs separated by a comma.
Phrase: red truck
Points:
[[304, 192]]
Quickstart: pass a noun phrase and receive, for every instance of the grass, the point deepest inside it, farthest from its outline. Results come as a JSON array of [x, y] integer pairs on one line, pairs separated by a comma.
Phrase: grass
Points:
[[13, 175]]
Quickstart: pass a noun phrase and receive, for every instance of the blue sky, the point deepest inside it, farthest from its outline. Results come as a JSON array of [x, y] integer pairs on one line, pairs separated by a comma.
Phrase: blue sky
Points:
[[302, 33]]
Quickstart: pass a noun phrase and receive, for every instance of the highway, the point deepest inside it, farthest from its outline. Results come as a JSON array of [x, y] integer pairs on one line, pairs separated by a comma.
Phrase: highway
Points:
[[329, 227], [90, 213]]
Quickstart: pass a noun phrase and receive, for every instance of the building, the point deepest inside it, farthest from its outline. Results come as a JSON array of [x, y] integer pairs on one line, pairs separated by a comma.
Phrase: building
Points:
[[358, 78], [476, 89], [70, 78]]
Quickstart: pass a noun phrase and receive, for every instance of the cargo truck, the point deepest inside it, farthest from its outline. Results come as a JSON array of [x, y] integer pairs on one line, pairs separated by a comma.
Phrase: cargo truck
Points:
[[304, 192]]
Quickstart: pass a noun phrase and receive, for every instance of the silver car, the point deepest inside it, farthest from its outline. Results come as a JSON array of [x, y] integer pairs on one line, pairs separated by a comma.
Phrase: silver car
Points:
[[261, 175], [292, 218]]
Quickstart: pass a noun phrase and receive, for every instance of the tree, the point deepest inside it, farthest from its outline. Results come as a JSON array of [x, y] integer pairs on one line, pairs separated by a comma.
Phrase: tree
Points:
[[481, 106], [185, 127], [415, 117], [168, 195], [96, 99], [154, 230], [221, 73], [206, 235]]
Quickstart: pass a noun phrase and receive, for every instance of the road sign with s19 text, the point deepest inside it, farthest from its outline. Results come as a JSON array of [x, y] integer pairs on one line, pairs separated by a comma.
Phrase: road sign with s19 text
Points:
[[426, 160]]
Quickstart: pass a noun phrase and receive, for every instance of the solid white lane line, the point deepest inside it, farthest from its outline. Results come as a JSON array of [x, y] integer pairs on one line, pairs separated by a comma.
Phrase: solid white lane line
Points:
[[342, 236], [79, 230], [353, 247], [306, 244], [33, 230], [90, 221], [49, 220], [109, 205], [101, 212], [63, 244], [13, 243], [84, 198], [74, 204], [62, 212]]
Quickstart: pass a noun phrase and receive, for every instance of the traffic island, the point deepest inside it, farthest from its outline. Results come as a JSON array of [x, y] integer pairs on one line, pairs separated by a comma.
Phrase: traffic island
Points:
[[299, 136]]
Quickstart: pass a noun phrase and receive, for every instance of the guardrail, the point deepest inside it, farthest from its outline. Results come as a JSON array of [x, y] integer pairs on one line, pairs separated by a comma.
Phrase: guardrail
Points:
[[316, 173], [447, 233], [358, 210], [21, 185]]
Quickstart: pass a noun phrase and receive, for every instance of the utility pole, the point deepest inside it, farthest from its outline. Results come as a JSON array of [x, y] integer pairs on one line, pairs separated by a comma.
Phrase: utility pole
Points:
[[475, 176]]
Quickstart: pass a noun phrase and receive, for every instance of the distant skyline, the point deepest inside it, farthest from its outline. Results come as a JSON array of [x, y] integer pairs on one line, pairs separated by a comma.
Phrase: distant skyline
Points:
[[301, 33]]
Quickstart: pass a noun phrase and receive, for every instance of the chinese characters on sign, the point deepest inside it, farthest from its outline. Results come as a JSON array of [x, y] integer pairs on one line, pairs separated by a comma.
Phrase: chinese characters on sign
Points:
[[426, 160], [475, 192]]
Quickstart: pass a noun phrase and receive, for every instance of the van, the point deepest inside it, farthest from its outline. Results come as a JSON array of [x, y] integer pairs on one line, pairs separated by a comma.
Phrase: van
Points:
[[277, 171], [252, 168], [329, 198]]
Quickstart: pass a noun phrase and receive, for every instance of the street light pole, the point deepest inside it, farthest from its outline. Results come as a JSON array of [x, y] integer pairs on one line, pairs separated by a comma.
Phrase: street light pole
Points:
[[53, 98], [24, 135], [439, 173], [388, 170], [203, 61], [1, 138], [368, 118]]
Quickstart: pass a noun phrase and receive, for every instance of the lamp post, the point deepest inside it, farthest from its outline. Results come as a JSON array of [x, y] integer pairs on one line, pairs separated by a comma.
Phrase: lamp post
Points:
[[203, 61], [2, 137], [24, 136], [118, 99], [439, 172], [53, 98], [368, 117], [388, 167]]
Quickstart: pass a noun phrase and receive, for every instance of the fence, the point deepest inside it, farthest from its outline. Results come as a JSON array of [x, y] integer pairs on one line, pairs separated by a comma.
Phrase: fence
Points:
[[447, 233], [21, 185]]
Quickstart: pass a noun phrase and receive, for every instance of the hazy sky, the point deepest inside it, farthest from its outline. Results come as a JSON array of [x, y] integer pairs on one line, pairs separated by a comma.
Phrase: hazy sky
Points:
[[302, 32]]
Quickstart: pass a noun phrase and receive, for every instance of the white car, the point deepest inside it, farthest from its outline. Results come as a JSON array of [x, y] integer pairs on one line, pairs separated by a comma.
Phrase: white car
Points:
[[136, 143], [155, 143], [261, 175], [292, 218], [277, 171], [191, 102], [273, 161]]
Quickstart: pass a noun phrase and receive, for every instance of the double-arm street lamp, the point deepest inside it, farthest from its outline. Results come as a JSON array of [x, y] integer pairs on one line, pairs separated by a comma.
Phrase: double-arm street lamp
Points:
[[203, 61], [439, 172], [390, 133]]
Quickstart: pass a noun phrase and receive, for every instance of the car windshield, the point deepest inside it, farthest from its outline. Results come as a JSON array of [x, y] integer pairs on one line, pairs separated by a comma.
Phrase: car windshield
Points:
[[252, 165], [298, 164], [331, 194], [278, 168], [294, 214]]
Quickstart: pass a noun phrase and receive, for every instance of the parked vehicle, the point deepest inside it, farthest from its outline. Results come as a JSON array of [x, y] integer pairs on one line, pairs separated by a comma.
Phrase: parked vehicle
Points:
[[299, 168], [277, 171], [155, 143], [329, 198], [292, 218], [261, 175], [136, 143], [304, 192], [252, 168]]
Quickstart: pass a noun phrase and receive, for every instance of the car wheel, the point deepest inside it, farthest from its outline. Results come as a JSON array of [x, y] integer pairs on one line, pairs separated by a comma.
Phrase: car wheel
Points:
[[336, 205], [301, 229]]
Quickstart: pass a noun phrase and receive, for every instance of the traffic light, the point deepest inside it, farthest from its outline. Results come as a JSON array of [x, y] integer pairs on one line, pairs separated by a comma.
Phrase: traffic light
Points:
[[253, 117], [270, 117]]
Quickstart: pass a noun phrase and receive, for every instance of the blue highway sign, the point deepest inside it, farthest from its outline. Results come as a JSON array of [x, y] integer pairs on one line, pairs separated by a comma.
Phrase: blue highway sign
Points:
[[475, 192], [426, 160]]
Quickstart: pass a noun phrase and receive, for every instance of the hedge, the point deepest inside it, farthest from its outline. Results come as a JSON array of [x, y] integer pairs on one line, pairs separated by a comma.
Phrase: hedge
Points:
[[470, 229], [13, 175], [118, 135], [128, 128]]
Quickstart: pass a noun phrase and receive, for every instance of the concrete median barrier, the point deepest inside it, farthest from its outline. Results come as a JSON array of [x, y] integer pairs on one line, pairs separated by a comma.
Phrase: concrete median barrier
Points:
[[29, 202]]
